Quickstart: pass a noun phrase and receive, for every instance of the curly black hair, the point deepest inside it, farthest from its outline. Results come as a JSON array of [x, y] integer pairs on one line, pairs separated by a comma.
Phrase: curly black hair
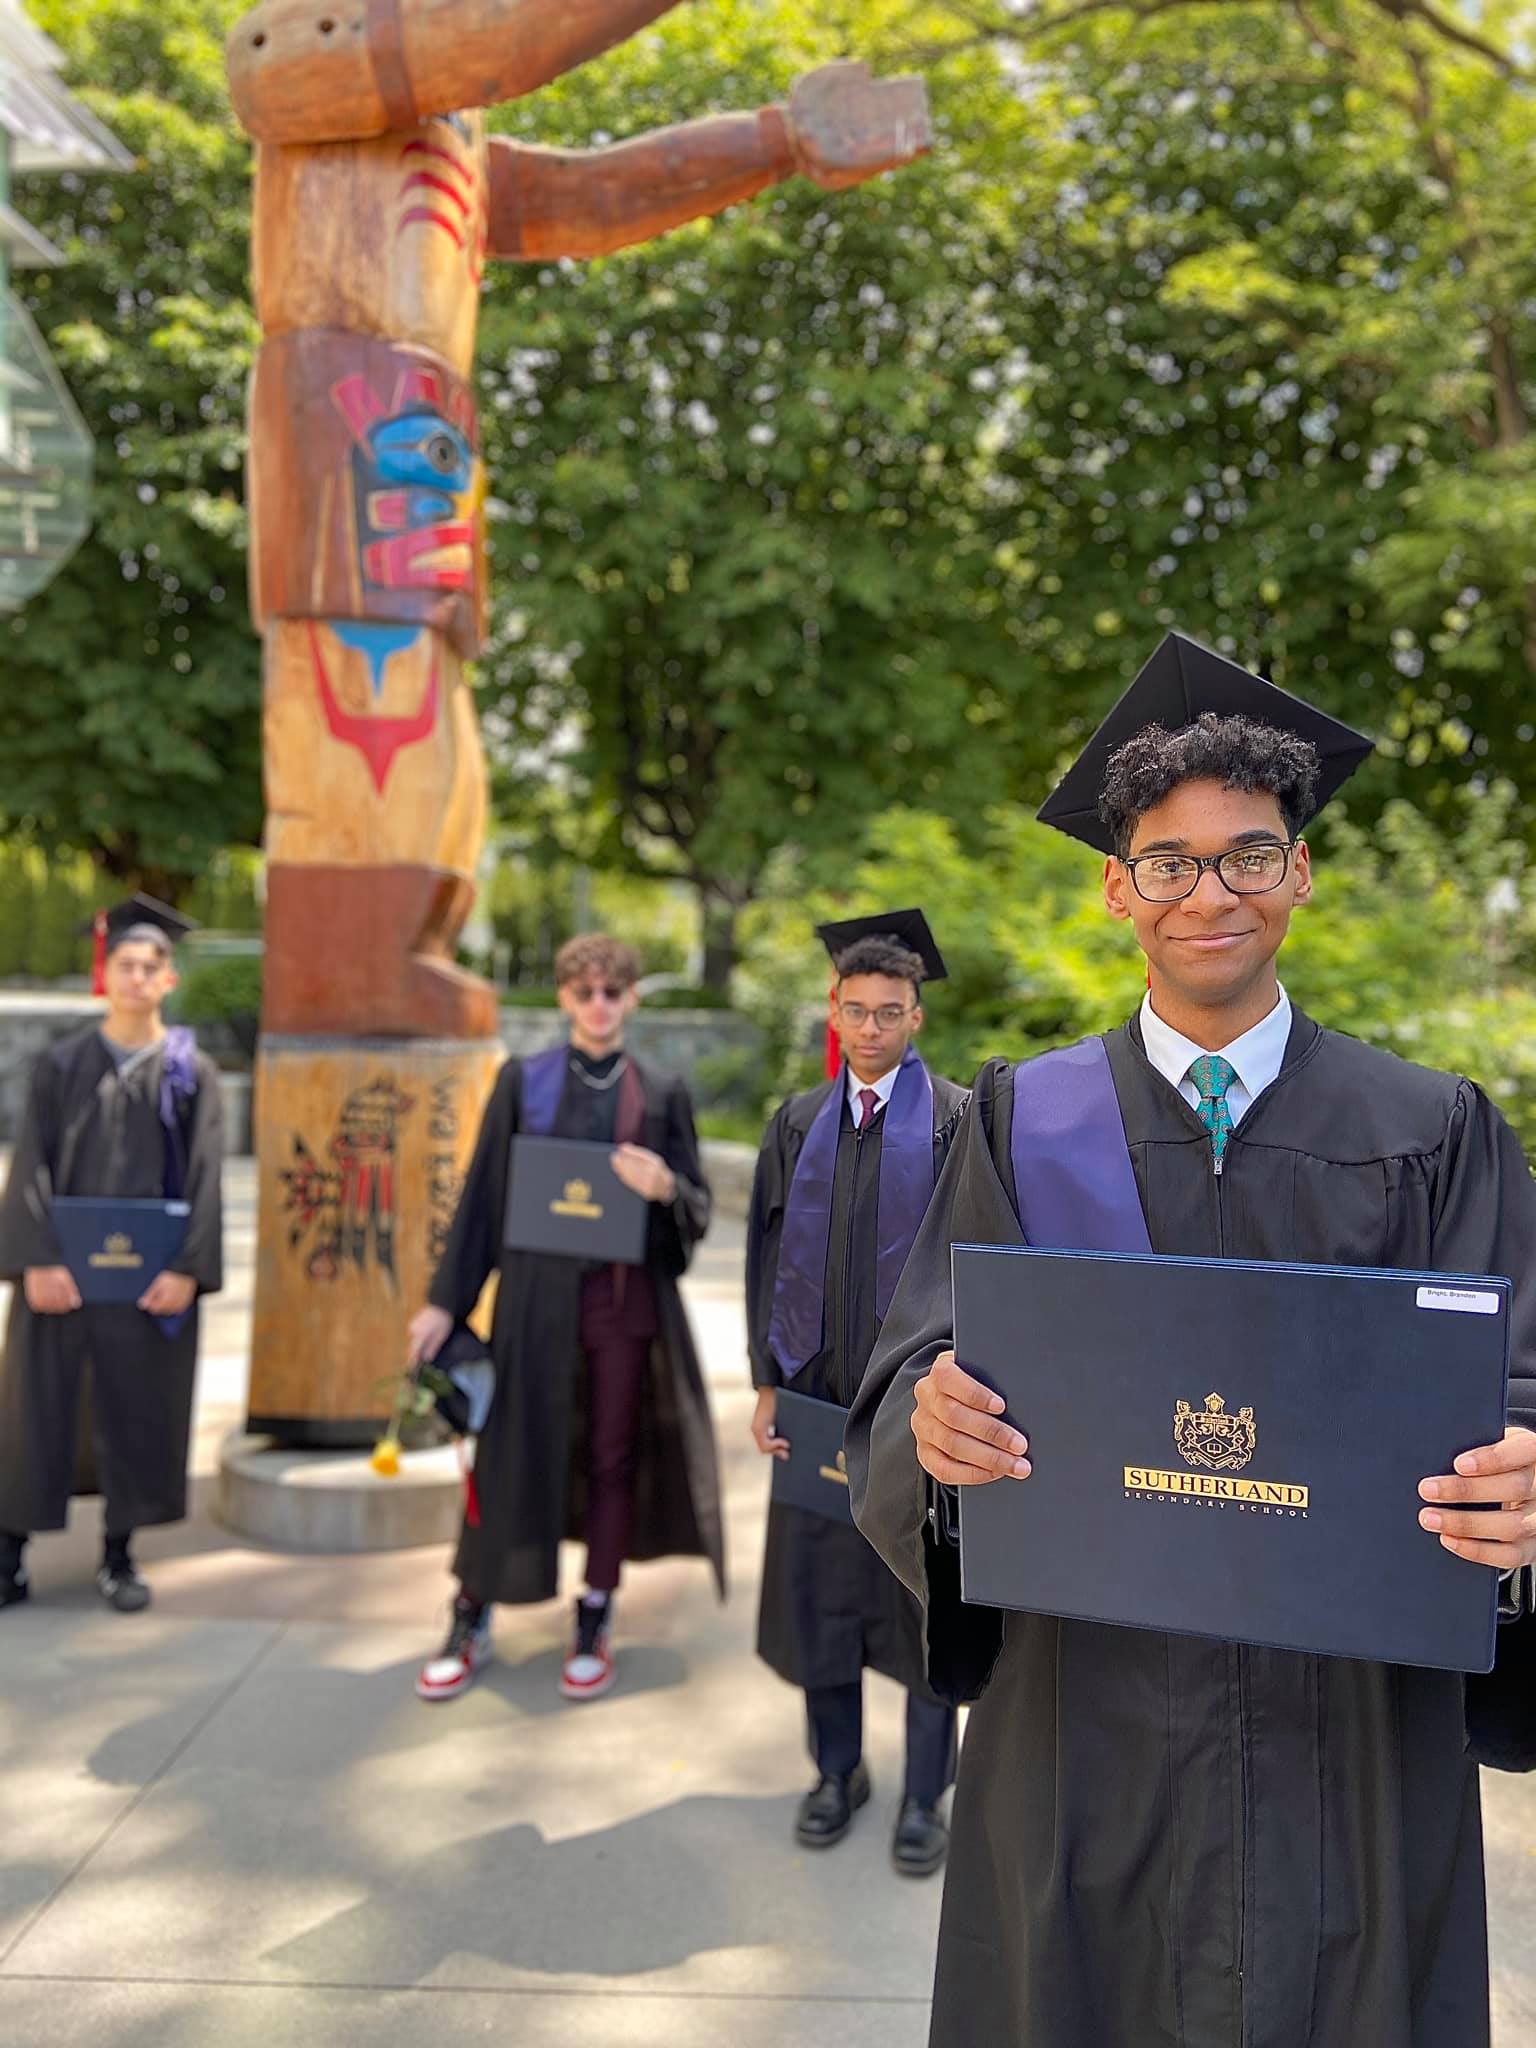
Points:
[[881, 956], [1239, 753]]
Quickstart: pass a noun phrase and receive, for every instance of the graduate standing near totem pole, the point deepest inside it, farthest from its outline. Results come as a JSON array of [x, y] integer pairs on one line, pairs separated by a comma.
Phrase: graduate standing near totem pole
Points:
[[97, 1397], [1173, 1838], [599, 1428], [843, 1179]]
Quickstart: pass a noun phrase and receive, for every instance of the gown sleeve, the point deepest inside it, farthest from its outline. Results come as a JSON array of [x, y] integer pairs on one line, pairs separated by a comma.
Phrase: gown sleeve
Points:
[[765, 1224], [26, 1229], [1485, 1222], [676, 1228], [473, 1250], [895, 1503], [201, 1256]]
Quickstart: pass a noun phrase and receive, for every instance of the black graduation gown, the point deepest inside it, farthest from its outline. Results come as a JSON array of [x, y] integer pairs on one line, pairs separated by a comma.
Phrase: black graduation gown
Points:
[[101, 1400], [531, 1459], [1162, 1840], [829, 1607]]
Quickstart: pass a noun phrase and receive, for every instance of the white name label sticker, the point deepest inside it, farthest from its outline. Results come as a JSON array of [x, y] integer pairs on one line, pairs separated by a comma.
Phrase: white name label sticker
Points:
[[1461, 1301]]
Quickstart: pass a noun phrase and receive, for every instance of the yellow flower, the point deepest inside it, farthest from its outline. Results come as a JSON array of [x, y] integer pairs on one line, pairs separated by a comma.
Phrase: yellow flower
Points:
[[386, 1457]]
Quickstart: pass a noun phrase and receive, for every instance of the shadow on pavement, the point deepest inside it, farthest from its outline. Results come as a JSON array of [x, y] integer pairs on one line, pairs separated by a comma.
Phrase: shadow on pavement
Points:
[[654, 1890]]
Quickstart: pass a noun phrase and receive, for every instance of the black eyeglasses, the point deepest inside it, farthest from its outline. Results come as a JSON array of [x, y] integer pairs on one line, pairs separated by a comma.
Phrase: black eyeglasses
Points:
[[888, 1016], [1245, 870]]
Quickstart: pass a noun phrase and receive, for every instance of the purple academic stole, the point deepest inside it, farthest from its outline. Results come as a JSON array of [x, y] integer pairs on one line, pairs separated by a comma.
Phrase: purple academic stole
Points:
[[906, 1188], [1075, 1186], [178, 1085], [544, 1082]]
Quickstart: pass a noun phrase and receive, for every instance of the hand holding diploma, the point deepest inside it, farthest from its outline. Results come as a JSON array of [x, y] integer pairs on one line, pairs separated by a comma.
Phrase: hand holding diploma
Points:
[[50, 1290], [765, 1428], [645, 1173], [961, 1437], [168, 1294], [1499, 1529]]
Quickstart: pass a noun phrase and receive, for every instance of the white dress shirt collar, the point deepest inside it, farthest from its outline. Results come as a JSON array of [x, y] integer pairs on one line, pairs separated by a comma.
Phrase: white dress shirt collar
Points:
[[882, 1088], [1257, 1055]]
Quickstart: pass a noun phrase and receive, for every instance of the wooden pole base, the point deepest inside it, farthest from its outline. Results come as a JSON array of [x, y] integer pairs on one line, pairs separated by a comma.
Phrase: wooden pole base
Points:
[[362, 1145]]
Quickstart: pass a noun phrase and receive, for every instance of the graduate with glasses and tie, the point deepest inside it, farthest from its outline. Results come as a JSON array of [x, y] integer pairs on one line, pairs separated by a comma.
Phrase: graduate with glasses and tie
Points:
[[846, 1171], [599, 1427], [1177, 1838]]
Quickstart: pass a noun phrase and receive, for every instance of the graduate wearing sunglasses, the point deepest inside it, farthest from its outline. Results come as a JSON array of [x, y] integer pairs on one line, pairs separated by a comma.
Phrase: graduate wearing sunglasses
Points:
[[599, 1429]]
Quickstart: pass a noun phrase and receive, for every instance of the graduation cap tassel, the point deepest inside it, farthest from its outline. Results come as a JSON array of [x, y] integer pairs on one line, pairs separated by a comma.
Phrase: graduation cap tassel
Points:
[[99, 954], [834, 1054]]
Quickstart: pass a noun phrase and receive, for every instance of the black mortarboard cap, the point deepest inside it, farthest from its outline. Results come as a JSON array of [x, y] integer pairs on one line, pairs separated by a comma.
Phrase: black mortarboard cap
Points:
[[139, 911], [1182, 680], [908, 928]]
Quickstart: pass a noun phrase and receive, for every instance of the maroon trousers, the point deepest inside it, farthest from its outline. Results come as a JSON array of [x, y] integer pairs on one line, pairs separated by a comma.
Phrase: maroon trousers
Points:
[[618, 1323]]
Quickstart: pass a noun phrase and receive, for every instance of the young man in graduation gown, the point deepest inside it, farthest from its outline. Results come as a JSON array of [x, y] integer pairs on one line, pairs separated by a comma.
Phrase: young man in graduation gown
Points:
[[1162, 1838], [844, 1176], [599, 1427], [97, 1398]]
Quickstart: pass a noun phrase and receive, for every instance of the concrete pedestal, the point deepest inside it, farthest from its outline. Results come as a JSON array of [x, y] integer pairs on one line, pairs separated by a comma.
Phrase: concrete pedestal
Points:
[[334, 1500]]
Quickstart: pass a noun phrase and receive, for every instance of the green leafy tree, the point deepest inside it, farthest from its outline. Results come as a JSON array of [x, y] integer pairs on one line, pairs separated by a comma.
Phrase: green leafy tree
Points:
[[740, 483], [129, 691], [1275, 291]]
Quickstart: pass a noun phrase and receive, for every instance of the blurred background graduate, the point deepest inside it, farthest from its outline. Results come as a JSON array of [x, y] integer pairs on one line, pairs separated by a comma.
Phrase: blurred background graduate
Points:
[[98, 1398], [599, 1427], [845, 1174], [1161, 1837]]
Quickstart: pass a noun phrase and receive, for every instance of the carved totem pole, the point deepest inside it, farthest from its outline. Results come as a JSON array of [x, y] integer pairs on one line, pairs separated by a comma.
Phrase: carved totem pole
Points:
[[379, 198]]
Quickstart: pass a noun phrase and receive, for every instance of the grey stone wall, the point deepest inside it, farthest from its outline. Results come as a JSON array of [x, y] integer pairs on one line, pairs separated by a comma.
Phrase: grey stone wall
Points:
[[28, 1023]]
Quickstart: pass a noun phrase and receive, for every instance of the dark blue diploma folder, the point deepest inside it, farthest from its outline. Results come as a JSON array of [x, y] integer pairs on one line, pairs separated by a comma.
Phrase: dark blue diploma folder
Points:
[[115, 1248], [814, 1476], [1225, 1448], [566, 1198]]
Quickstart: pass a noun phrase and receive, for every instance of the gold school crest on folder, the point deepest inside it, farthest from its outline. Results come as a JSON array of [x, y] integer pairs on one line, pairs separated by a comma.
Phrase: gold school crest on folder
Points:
[[577, 1201], [117, 1251], [1211, 1437]]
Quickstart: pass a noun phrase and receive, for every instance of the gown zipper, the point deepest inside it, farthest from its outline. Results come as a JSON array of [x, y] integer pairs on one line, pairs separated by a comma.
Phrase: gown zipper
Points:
[[1241, 1653], [846, 1347]]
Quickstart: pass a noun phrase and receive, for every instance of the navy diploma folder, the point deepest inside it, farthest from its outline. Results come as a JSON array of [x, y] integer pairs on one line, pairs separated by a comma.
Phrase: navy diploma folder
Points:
[[114, 1248], [1233, 1449], [815, 1474], [564, 1196]]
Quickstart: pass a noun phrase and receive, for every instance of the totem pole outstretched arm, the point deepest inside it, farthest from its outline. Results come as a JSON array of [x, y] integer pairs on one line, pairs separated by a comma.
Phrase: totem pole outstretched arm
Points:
[[840, 127], [346, 70]]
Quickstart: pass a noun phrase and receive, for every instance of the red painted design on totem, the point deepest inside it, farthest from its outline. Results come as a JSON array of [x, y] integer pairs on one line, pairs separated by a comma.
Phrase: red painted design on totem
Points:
[[349, 1205], [395, 564], [429, 181], [432, 218], [378, 740]]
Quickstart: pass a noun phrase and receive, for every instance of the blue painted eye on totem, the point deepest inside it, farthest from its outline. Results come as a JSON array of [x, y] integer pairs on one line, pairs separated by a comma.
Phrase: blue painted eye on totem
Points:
[[422, 448]]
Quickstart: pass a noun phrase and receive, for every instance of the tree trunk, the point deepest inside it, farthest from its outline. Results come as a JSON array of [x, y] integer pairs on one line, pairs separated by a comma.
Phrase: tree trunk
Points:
[[720, 914]]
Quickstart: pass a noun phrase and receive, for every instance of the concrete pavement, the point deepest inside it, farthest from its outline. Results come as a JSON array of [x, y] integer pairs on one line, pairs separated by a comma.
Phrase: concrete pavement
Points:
[[230, 1821]]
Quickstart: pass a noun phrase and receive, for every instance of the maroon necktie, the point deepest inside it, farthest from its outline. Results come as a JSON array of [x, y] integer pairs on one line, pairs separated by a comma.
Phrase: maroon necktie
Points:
[[869, 1102]]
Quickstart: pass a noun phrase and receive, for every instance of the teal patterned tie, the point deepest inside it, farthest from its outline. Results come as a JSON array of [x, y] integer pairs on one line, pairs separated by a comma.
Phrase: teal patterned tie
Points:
[[1213, 1076]]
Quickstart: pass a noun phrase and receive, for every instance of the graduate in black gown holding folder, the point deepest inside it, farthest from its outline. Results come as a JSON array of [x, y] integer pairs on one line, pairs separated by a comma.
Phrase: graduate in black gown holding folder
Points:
[[1169, 1839], [599, 1428], [98, 1398], [844, 1176]]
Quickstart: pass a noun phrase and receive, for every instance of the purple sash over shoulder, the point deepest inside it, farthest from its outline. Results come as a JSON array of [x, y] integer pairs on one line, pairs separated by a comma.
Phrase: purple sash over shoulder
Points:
[[543, 1083], [906, 1188], [1076, 1188], [178, 1085], [543, 1080]]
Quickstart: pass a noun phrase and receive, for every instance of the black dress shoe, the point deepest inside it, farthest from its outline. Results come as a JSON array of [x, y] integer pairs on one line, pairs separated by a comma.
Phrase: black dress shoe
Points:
[[14, 1587], [120, 1586], [827, 1810], [921, 1841]]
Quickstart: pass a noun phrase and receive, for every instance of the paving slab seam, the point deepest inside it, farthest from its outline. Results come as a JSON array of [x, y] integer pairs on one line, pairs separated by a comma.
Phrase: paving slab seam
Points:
[[34, 1920], [306, 1985]]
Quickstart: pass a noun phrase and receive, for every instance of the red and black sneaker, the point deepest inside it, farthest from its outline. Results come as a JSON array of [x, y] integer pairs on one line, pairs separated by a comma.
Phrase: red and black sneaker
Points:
[[453, 1669], [588, 1670]]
